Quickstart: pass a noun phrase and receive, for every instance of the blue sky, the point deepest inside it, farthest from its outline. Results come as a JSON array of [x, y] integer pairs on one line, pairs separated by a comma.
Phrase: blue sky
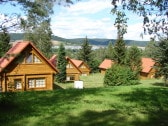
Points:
[[91, 18]]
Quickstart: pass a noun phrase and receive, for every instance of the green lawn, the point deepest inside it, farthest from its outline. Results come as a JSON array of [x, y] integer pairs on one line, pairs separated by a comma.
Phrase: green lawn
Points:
[[145, 104]]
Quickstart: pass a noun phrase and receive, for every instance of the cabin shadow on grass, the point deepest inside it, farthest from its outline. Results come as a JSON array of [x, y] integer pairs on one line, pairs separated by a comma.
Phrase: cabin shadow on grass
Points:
[[94, 118], [37, 105], [152, 103], [12, 108]]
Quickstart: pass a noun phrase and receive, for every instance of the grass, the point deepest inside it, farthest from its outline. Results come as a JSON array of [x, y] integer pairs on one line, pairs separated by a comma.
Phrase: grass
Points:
[[145, 104], [91, 81]]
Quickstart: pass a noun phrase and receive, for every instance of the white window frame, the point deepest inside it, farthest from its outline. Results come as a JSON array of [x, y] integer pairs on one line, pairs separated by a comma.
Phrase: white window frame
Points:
[[36, 59], [69, 65], [32, 58], [36, 82], [18, 84], [83, 66]]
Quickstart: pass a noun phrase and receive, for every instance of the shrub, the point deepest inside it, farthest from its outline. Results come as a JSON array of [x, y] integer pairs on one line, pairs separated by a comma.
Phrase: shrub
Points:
[[120, 75]]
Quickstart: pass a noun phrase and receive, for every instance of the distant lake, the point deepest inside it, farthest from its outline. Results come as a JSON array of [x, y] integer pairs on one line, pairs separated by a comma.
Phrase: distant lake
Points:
[[79, 47], [93, 47]]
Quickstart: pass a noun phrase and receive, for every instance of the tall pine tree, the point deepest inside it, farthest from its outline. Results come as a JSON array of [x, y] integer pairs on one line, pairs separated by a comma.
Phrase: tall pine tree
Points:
[[150, 48], [119, 47], [134, 55], [61, 64], [110, 51], [85, 53], [120, 51], [161, 58], [4, 42]]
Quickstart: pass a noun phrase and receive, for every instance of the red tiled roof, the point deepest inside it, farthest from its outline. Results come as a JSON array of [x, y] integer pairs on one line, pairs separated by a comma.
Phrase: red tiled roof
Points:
[[147, 64], [16, 50], [12, 53], [67, 58], [53, 60], [106, 64], [77, 62]]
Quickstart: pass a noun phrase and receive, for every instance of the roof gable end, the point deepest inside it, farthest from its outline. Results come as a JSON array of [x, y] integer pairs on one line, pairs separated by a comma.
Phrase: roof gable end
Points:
[[107, 63], [17, 49]]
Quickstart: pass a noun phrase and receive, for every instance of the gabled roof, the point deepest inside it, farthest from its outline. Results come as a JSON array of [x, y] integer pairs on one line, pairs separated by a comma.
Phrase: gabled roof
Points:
[[147, 64], [77, 62], [73, 64], [53, 60], [16, 50], [107, 63]]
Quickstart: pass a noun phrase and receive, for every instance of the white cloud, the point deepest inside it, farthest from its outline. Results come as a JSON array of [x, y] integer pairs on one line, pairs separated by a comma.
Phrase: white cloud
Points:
[[79, 20], [91, 18], [89, 7], [80, 27]]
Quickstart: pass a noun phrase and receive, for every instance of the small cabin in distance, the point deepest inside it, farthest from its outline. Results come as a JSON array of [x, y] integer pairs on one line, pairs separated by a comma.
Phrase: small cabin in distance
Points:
[[106, 64], [148, 70], [72, 71], [82, 66], [25, 68]]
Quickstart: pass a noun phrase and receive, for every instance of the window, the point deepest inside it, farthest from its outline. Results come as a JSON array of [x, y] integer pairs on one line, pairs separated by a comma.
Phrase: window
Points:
[[31, 83], [31, 58], [36, 59], [70, 78], [69, 66], [83, 66], [36, 83], [18, 84], [40, 83]]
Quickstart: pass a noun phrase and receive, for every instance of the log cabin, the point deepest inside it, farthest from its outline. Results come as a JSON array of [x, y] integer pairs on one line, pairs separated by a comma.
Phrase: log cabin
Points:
[[82, 66], [25, 68], [148, 70], [74, 68], [106, 64], [72, 71]]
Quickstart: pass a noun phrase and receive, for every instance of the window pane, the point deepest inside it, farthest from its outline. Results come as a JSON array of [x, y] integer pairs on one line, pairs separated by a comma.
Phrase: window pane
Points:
[[40, 82], [36, 60], [29, 58], [83, 66], [18, 84], [67, 66], [31, 83]]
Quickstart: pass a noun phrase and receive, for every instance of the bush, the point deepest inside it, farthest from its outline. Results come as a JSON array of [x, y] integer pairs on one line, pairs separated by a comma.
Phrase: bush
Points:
[[120, 75]]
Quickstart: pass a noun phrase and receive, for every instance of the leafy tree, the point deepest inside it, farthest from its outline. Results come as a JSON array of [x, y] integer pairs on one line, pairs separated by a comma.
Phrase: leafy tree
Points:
[[120, 51], [85, 53], [153, 12], [12, 21], [161, 59], [134, 59], [37, 25], [4, 42], [120, 23], [61, 64], [119, 75]]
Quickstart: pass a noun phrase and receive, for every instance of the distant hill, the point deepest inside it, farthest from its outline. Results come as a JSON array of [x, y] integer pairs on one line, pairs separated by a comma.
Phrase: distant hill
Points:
[[16, 36], [77, 41]]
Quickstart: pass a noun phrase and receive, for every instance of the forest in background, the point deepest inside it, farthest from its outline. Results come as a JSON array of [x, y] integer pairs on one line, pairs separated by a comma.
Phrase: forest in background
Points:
[[78, 41]]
